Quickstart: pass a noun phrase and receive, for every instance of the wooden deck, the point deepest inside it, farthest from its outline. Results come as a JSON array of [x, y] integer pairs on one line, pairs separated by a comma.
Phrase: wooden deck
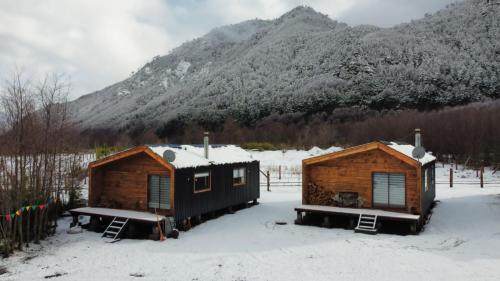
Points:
[[111, 213], [356, 212]]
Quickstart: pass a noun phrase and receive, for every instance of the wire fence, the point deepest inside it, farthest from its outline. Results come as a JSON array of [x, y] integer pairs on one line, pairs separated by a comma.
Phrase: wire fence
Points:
[[294, 179]]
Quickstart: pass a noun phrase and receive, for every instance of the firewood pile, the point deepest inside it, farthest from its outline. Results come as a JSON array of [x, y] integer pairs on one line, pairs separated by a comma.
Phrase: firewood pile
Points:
[[318, 195]]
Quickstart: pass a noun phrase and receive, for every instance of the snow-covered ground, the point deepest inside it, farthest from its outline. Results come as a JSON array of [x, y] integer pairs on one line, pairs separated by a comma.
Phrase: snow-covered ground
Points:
[[461, 242]]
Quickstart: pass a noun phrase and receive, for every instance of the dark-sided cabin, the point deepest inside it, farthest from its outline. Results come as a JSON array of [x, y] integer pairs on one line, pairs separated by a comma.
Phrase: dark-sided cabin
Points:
[[371, 183], [177, 182]]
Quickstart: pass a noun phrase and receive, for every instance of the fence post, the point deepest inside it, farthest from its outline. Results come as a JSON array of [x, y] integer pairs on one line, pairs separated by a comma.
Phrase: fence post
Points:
[[481, 174], [279, 172], [451, 177], [268, 181]]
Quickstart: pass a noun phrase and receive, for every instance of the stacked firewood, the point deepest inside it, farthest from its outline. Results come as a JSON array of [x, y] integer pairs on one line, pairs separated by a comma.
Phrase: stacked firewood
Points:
[[318, 195]]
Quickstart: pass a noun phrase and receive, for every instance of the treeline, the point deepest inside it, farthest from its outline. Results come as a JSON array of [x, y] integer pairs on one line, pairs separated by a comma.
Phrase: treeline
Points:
[[40, 160], [471, 131]]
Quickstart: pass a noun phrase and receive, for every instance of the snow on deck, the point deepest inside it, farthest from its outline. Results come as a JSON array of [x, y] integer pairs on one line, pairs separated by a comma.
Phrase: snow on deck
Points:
[[134, 215], [461, 242], [193, 156], [357, 211]]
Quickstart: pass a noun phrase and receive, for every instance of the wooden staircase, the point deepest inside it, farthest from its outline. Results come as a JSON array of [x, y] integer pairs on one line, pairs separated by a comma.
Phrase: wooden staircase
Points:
[[114, 229], [367, 224]]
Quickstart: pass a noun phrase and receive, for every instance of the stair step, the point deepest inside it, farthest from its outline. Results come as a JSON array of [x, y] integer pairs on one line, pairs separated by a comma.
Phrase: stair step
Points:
[[367, 224], [115, 228], [365, 230]]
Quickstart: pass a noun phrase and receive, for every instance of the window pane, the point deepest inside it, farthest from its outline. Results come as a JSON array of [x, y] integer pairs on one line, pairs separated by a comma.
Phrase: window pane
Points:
[[164, 201], [380, 189], [397, 190], [200, 175], [238, 176], [201, 181], [154, 194]]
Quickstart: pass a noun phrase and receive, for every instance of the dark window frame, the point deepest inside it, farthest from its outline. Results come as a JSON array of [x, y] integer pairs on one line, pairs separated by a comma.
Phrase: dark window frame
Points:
[[389, 205], [159, 203], [206, 189], [244, 177]]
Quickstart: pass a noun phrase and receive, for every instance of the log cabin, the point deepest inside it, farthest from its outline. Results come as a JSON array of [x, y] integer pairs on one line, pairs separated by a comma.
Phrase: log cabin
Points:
[[174, 185], [370, 183]]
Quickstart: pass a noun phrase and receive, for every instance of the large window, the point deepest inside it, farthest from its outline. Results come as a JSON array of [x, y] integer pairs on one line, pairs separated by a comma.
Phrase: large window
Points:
[[389, 190], [202, 182], [159, 192], [239, 176]]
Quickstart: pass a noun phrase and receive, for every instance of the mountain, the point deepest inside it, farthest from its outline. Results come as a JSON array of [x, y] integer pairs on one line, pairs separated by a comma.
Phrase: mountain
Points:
[[305, 62]]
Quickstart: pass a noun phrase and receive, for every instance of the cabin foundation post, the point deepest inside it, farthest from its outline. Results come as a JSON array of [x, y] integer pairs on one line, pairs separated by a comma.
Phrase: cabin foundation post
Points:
[[75, 221], [413, 228], [352, 223], [299, 219], [255, 202], [212, 215], [327, 222], [230, 210]]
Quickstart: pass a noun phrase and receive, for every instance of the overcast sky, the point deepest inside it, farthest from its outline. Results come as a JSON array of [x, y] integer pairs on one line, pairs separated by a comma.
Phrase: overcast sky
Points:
[[97, 43]]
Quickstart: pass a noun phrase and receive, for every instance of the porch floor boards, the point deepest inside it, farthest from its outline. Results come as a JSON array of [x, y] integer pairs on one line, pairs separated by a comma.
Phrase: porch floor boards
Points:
[[330, 210], [107, 212]]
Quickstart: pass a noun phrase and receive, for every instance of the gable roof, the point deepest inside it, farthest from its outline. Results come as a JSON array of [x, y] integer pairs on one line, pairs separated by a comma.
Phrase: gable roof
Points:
[[407, 149], [400, 151], [130, 152], [185, 155]]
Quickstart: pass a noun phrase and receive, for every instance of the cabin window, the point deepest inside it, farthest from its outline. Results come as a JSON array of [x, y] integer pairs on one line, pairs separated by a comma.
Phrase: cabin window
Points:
[[159, 192], [430, 177], [202, 182], [239, 176], [389, 190]]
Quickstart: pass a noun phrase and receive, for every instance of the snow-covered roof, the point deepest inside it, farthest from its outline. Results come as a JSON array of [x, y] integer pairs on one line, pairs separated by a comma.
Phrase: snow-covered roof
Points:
[[193, 155], [407, 149]]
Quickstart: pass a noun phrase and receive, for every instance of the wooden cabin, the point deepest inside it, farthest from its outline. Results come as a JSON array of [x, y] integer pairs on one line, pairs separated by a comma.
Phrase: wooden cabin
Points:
[[180, 183], [370, 183]]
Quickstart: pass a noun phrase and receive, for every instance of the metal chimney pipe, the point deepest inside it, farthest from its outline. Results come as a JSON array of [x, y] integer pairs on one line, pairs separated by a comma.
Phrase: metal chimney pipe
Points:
[[418, 138], [205, 144]]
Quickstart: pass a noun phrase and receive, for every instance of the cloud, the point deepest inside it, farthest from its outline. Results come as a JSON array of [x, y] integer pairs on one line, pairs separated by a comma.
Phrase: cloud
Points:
[[98, 43]]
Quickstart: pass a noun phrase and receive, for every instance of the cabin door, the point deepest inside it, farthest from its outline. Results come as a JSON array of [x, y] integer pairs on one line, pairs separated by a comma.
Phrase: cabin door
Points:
[[389, 190], [159, 192]]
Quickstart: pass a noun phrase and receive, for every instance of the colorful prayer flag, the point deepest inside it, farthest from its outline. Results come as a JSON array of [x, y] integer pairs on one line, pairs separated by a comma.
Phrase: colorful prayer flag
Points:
[[18, 212], [28, 208], [7, 217]]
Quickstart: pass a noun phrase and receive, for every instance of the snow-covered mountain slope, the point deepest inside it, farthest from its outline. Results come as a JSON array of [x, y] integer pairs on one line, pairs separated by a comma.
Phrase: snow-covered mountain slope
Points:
[[306, 62]]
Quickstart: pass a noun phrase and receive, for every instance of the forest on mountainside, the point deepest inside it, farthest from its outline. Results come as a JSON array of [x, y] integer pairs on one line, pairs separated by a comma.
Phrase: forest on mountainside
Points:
[[306, 63]]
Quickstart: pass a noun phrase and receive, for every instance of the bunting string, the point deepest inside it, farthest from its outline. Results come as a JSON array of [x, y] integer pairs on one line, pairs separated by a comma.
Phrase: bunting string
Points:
[[28, 208]]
